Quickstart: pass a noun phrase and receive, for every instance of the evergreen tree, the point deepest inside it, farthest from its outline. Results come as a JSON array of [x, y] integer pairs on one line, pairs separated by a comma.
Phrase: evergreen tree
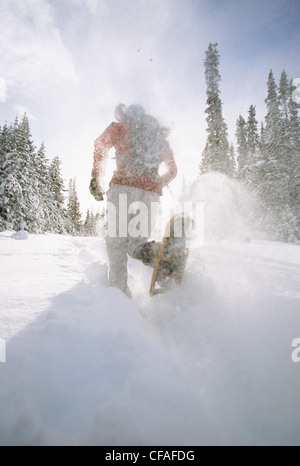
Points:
[[90, 224], [242, 148], [6, 144], [275, 190], [269, 165], [73, 210], [19, 186], [255, 165], [286, 147], [284, 94], [6, 175], [273, 119], [31, 191], [216, 155], [58, 213], [232, 162], [252, 133], [294, 141], [28, 204], [15, 169], [262, 135], [87, 225], [43, 185]]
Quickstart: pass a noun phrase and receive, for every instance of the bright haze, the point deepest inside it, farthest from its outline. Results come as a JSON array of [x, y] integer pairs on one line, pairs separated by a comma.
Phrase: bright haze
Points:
[[68, 63]]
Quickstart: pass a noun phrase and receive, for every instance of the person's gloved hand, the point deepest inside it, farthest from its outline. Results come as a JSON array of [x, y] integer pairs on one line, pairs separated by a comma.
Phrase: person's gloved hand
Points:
[[96, 189]]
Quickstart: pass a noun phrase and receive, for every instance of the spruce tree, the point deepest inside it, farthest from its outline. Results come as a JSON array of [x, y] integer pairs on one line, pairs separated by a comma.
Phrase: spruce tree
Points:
[[242, 148], [262, 139], [232, 162], [255, 165], [252, 133], [73, 210], [276, 169], [284, 90], [58, 213], [19, 195], [6, 174], [14, 173], [216, 155], [90, 224], [294, 141], [43, 186], [87, 225], [31, 191], [28, 203], [269, 164]]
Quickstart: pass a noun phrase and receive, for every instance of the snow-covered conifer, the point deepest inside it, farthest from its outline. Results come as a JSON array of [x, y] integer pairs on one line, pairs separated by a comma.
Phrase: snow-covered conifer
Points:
[[73, 209], [216, 155], [242, 148]]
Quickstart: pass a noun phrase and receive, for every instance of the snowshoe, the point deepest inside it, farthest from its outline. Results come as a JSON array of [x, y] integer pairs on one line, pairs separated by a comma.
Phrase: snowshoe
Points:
[[172, 257]]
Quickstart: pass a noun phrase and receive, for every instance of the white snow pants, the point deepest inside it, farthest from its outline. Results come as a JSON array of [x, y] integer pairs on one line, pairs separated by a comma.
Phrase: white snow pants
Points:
[[124, 242]]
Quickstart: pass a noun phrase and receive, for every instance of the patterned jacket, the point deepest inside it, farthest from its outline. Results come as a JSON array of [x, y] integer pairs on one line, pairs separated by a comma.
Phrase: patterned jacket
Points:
[[117, 135]]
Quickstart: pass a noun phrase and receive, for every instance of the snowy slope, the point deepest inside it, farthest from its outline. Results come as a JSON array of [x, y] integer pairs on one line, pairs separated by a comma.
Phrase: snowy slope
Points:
[[208, 363], [80, 367]]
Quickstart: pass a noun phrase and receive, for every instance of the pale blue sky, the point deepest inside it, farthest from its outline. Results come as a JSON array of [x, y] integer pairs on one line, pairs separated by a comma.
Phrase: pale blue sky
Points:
[[69, 62]]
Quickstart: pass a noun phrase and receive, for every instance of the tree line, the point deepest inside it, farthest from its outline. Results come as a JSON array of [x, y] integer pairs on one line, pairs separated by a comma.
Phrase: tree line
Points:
[[267, 157], [33, 196]]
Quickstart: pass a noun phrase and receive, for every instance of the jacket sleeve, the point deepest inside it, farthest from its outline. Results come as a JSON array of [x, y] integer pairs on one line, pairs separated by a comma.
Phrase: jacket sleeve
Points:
[[102, 145], [168, 159]]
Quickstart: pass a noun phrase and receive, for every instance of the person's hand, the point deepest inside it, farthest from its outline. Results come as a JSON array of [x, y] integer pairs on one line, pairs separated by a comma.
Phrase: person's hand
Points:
[[96, 190]]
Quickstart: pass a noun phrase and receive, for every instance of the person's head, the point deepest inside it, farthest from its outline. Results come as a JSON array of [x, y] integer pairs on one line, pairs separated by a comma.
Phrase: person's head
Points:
[[123, 113], [134, 111]]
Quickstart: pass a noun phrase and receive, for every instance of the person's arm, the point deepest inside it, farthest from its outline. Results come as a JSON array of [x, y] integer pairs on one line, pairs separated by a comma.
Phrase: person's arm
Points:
[[168, 159], [102, 145]]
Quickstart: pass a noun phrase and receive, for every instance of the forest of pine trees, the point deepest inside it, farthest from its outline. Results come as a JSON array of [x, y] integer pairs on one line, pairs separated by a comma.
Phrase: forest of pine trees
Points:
[[32, 191], [268, 159]]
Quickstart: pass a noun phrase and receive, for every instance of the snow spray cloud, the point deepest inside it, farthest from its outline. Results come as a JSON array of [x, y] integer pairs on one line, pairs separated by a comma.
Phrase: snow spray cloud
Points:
[[138, 220], [2, 351]]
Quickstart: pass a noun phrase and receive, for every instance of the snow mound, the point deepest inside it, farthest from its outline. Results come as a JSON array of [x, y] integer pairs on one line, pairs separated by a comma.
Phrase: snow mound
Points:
[[20, 235], [88, 374]]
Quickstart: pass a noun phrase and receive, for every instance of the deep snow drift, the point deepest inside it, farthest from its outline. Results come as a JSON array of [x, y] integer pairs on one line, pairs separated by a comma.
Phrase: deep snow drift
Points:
[[208, 363]]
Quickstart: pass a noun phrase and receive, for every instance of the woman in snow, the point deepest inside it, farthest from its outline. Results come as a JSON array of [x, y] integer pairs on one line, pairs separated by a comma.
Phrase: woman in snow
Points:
[[141, 148]]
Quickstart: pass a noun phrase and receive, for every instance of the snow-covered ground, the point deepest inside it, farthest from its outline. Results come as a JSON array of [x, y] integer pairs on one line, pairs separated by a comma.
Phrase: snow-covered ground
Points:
[[208, 363]]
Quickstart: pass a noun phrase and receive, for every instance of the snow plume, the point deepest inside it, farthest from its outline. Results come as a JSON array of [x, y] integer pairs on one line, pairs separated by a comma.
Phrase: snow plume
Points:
[[229, 208], [231, 323]]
